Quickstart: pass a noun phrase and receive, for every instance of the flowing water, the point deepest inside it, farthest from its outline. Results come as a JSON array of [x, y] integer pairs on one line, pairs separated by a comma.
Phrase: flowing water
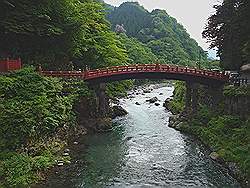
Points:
[[142, 151]]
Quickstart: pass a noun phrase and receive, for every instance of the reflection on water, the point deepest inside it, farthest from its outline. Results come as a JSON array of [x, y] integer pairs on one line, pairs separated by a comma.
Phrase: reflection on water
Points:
[[142, 151]]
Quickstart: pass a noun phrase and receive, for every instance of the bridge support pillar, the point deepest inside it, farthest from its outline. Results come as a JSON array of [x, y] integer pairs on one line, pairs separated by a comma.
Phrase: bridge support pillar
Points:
[[191, 103], [188, 98], [194, 98], [102, 100]]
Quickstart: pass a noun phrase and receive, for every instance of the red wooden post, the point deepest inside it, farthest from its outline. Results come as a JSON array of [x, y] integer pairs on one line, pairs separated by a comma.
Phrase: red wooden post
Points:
[[157, 67], [7, 65]]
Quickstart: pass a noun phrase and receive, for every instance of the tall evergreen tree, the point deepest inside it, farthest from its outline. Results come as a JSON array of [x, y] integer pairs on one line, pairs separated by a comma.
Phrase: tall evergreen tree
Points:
[[228, 30]]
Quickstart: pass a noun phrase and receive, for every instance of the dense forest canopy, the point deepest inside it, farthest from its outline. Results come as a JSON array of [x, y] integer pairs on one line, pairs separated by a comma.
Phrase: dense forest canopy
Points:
[[70, 34], [229, 30], [167, 39], [55, 32]]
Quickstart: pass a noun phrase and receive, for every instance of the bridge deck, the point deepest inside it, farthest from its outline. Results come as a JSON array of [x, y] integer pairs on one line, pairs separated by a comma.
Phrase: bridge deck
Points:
[[136, 69]]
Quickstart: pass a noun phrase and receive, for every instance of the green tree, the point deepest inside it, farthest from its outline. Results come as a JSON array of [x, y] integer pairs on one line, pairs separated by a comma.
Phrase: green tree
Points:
[[228, 30], [55, 32], [168, 39], [138, 52]]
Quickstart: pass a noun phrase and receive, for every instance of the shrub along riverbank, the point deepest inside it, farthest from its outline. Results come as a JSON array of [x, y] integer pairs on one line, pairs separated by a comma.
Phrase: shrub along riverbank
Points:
[[227, 135], [36, 118]]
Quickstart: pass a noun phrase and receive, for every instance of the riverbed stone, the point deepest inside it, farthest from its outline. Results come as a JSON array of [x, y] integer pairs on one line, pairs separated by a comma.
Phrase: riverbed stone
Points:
[[152, 100], [157, 104], [66, 150], [103, 124], [146, 91], [118, 111], [60, 164], [215, 156], [166, 103], [66, 154], [115, 101]]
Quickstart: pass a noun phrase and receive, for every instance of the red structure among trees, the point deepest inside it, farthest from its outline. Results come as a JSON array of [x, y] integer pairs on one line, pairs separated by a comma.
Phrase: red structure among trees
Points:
[[144, 71], [10, 65]]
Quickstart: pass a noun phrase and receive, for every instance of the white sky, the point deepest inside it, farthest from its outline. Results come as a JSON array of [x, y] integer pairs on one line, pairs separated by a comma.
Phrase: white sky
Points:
[[192, 14]]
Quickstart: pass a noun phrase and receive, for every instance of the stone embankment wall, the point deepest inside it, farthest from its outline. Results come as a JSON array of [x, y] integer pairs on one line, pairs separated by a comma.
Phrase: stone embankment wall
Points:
[[237, 105]]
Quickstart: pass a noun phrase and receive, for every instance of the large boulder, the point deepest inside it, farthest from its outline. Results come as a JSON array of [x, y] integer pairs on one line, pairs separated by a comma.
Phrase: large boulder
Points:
[[118, 111], [103, 124], [166, 103], [152, 100]]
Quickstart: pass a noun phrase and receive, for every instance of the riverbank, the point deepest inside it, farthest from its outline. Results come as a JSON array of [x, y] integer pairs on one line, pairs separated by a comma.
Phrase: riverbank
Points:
[[226, 136], [38, 120], [140, 151]]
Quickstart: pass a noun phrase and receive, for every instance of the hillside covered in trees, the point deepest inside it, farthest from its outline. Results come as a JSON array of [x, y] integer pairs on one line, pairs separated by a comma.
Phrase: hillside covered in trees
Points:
[[166, 38], [66, 35], [55, 33]]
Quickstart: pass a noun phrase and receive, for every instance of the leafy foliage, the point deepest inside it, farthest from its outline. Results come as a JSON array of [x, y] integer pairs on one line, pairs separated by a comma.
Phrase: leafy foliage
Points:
[[22, 170], [138, 52], [33, 107], [133, 16], [227, 135], [54, 33], [237, 91], [177, 104], [229, 30], [167, 39], [119, 89]]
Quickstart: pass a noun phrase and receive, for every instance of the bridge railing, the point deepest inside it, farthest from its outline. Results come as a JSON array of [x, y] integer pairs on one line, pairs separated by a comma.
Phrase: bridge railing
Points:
[[91, 74], [66, 74], [153, 68]]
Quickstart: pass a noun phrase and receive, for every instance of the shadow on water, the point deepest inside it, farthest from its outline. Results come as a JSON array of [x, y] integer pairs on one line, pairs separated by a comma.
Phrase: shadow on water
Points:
[[141, 151]]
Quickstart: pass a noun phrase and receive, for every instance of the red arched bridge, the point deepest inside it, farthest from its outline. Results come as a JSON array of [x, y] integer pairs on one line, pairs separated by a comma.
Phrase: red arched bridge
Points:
[[144, 71]]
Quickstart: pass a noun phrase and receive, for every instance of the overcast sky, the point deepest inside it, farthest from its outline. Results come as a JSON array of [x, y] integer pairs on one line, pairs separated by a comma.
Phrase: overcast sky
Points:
[[192, 14]]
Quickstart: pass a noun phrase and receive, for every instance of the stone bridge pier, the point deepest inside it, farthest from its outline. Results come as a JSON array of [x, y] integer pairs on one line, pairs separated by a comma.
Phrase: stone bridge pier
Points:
[[196, 94], [102, 100]]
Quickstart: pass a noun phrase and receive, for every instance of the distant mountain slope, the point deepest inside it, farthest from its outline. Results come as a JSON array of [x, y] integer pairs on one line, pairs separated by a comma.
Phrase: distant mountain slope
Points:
[[133, 16], [168, 39]]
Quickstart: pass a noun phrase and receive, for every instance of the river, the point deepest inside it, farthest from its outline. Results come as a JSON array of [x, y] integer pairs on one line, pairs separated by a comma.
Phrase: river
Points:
[[142, 151]]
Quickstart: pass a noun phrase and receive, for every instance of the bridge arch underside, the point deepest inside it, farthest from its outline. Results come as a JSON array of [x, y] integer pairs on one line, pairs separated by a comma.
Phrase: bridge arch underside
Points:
[[156, 75]]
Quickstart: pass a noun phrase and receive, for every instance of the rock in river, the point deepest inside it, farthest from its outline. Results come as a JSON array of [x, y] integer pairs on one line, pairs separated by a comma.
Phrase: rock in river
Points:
[[166, 103], [215, 156], [146, 91], [118, 111], [152, 100]]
